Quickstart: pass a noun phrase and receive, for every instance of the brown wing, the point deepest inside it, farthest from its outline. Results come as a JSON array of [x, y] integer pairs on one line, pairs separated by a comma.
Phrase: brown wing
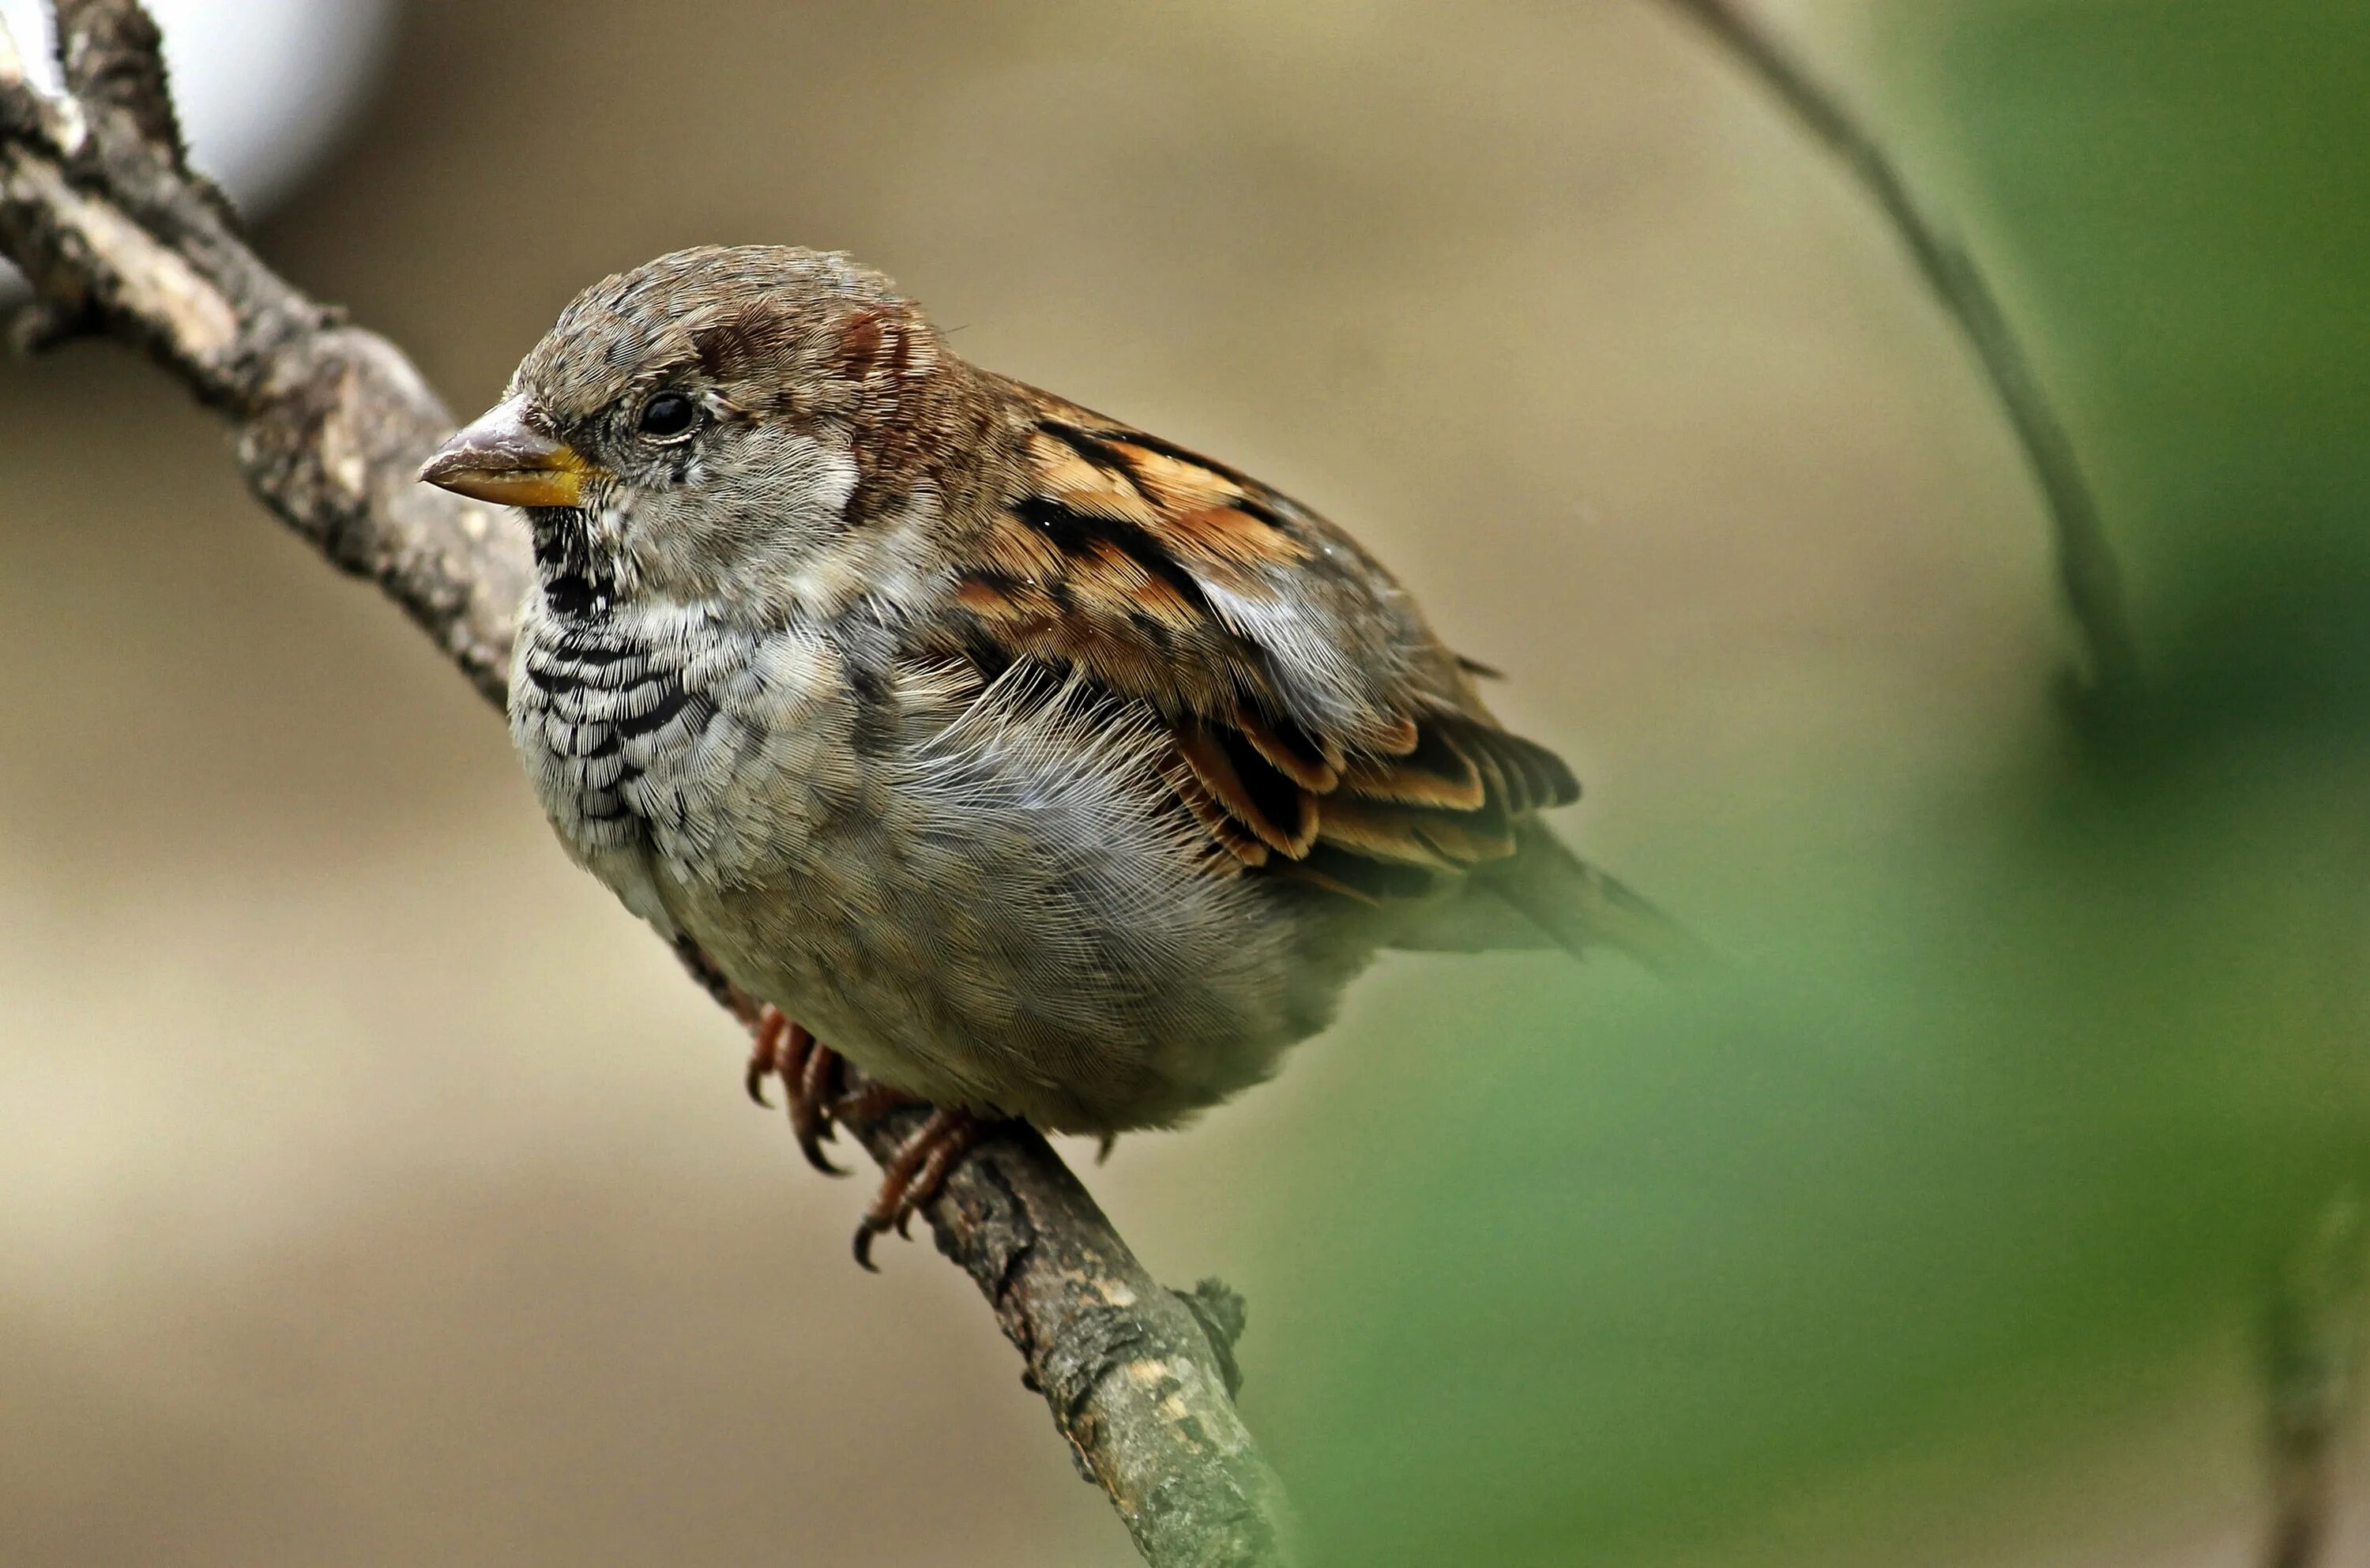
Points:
[[1321, 730]]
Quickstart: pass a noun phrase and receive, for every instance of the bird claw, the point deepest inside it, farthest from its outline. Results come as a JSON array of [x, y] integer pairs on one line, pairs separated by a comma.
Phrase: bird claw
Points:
[[765, 1054], [809, 1069], [820, 1097], [915, 1174], [812, 1119]]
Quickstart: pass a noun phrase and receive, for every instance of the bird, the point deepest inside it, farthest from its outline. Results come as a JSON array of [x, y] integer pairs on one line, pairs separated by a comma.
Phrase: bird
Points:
[[1039, 767]]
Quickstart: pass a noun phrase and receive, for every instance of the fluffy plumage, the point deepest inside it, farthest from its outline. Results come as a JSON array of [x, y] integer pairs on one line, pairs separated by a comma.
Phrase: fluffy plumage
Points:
[[1038, 765]]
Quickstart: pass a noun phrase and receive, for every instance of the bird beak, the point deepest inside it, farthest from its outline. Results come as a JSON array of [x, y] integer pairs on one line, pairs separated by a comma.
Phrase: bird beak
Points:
[[502, 459]]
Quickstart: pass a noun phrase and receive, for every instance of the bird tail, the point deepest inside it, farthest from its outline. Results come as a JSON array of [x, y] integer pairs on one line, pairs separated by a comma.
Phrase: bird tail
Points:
[[1583, 910]]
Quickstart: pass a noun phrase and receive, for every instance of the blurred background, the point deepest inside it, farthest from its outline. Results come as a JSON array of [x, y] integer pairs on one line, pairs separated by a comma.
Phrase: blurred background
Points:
[[372, 1190]]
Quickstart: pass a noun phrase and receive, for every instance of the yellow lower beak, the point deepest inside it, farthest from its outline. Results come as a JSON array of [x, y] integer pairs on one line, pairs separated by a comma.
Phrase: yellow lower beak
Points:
[[503, 459]]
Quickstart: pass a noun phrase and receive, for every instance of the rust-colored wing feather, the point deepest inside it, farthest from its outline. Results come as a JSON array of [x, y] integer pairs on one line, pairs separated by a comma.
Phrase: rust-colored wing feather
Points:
[[1320, 729]]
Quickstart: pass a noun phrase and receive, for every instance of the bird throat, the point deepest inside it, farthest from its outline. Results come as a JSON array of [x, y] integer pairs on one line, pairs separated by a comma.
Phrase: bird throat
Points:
[[579, 581]]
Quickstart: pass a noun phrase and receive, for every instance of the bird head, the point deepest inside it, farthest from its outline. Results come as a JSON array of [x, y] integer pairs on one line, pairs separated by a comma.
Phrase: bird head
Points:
[[720, 423]]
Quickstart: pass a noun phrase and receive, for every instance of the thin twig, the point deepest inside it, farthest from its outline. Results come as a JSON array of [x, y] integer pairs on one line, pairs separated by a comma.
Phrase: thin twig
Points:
[[2312, 1362], [2086, 570], [117, 234]]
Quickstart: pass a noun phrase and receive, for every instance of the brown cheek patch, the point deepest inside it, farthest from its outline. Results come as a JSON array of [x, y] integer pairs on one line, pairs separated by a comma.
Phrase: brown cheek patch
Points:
[[883, 345], [865, 341]]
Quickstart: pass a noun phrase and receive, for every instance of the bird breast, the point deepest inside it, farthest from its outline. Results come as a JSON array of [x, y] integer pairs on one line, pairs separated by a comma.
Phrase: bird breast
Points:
[[978, 889]]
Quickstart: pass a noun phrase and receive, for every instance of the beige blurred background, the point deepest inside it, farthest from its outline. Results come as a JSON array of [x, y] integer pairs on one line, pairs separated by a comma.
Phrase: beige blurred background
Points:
[[372, 1190]]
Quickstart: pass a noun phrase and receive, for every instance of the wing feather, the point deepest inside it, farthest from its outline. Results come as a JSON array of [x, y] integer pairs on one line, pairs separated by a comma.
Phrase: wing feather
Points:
[[1319, 730]]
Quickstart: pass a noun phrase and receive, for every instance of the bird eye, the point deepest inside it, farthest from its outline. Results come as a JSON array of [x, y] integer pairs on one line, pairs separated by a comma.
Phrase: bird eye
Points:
[[668, 416]]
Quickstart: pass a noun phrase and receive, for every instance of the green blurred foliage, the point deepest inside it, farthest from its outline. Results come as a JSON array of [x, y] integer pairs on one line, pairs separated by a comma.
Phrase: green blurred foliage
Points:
[[1984, 1145], [2176, 190]]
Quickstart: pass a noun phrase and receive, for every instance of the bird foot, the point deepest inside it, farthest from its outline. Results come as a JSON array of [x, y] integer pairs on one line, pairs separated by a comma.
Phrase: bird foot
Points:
[[815, 1082], [810, 1075], [916, 1173]]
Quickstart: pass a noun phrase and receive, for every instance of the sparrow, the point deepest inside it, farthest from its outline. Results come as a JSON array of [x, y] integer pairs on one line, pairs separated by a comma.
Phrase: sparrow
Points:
[[1045, 768]]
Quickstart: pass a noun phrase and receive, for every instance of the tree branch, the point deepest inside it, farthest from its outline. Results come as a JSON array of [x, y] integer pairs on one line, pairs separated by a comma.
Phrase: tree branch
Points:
[[2088, 575], [98, 208]]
